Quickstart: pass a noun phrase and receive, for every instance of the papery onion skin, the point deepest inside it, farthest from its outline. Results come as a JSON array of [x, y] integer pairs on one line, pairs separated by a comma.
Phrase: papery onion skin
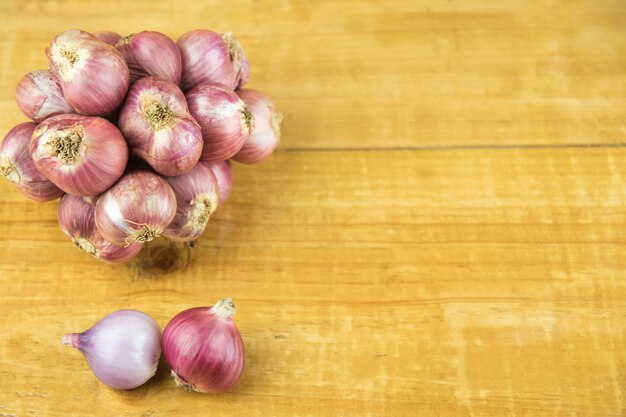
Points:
[[204, 349], [206, 57], [81, 155], [223, 171], [122, 349], [107, 36], [18, 168], [39, 95], [239, 60], [93, 74], [159, 128], [136, 209], [223, 117], [260, 144], [76, 219], [151, 53], [196, 198]]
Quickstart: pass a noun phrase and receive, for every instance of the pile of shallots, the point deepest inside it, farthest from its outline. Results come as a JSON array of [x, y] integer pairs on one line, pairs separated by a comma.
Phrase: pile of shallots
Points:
[[135, 134]]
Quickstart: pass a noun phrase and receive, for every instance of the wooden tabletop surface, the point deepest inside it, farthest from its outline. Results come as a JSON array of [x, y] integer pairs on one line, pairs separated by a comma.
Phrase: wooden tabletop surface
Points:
[[441, 231]]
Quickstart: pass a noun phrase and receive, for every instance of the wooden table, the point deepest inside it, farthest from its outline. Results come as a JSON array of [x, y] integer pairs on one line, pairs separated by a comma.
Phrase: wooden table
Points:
[[440, 233]]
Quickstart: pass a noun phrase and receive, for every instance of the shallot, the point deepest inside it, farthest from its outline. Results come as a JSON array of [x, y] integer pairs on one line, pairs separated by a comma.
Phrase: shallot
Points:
[[93, 74], [17, 167], [136, 209], [122, 349], [204, 349], [81, 155]]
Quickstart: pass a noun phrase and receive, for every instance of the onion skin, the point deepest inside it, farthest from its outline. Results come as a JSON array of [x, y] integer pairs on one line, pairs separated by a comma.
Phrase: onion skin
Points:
[[260, 144], [207, 57], [159, 128], [18, 168], [223, 171], [223, 117], [109, 37], [240, 62], [196, 199], [122, 349], [136, 209], [39, 96], [76, 218], [151, 53], [93, 74], [81, 155], [204, 349]]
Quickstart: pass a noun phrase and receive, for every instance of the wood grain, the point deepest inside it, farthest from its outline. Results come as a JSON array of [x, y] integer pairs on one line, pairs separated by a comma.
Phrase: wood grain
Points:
[[389, 259]]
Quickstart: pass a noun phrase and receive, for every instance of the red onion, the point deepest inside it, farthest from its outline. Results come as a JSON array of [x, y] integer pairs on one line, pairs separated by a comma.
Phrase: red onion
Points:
[[17, 167], [266, 134], [204, 349], [122, 349], [224, 118], [109, 37], [81, 155], [93, 74], [223, 172], [136, 209], [76, 218], [151, 53], [39, 95], [156, 122], [209, 57], [196, 198]]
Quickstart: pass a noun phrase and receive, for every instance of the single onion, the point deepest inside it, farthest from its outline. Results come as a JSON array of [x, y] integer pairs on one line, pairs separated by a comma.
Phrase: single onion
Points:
[[159, 128], [266, 134], [109, 37], [196, 199], [224, 118], [204, 349], [39, 95], [76, 218], [151, 53], [223, 172], [17, 167], [136, 209], [81, 155], [209, 57], [122, 349], [93, 74]]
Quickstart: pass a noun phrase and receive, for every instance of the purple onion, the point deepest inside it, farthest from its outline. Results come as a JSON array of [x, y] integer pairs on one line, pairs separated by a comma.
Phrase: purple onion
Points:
[[223, 171], [17, 167], [122, 349], [151, 53]]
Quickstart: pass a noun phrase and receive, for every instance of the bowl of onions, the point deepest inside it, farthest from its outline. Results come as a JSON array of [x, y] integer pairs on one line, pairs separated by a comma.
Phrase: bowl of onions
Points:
[[134, 135]]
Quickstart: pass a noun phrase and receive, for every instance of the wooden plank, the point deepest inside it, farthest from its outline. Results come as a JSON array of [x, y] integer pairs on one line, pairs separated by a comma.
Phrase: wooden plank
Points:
[[449, 282], [374, 74]]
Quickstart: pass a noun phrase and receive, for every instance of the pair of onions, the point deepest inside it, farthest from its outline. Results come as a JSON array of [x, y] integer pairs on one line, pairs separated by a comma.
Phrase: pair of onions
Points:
[[202, 346], [137, 132]]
